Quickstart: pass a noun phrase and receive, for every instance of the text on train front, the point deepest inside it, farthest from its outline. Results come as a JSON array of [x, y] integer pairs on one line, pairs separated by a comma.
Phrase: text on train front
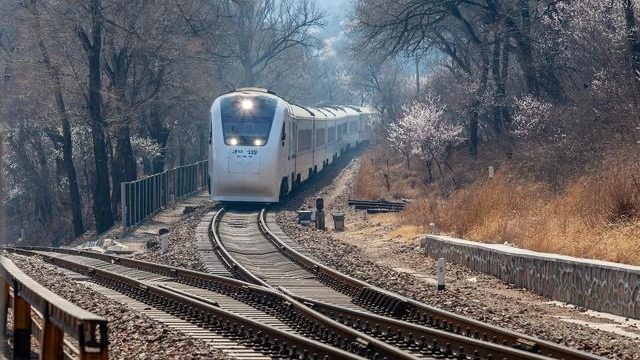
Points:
[[246, 121]]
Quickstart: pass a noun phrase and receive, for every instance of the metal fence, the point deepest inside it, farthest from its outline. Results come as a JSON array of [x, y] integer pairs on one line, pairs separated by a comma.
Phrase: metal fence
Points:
[[144, 197]]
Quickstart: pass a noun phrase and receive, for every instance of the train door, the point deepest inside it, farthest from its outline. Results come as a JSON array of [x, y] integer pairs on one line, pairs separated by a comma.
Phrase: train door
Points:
[[293, 148], [313, 143]]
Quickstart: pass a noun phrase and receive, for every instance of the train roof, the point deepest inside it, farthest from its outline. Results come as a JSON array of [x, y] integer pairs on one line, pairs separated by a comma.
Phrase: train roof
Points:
[[327, 112]]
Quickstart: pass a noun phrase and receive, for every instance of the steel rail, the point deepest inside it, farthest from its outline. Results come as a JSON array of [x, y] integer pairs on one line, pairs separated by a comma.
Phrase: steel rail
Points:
[[227, 258], [488, 349], [402, 332], [275, 342], [388, 327], [391, 304], [395, 331], [290, 308]]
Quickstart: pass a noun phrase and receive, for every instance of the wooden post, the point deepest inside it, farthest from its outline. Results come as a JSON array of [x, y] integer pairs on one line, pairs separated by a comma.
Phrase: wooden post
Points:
[[4, 306], [92, 348], [51, 342], [21, 327]]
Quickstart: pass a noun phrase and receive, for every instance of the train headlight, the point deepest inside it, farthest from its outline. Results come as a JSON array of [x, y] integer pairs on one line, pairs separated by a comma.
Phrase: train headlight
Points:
[[246, 104], [233, 141], [258, 142]]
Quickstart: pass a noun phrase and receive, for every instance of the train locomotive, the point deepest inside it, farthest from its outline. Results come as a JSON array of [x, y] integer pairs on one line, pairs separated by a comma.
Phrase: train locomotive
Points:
[[262, 147]]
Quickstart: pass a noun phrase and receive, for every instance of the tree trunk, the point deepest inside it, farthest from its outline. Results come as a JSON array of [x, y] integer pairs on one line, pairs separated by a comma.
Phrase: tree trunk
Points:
[[633, 39], [67, 144], [124, 166], [473, 130], [524, 47], [498, 96], [429, 167], [101, 192], [44, 202], [504, 75], [417, 77], [249, 78], [74, 192], [474, 119], [160, 133]]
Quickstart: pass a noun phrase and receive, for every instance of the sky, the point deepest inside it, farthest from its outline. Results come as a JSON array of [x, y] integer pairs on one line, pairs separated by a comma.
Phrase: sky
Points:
[[333, 34]]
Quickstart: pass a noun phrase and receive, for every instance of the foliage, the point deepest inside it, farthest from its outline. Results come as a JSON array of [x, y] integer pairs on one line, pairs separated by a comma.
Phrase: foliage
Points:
[[530, 116], [423, 130], [145, 149]]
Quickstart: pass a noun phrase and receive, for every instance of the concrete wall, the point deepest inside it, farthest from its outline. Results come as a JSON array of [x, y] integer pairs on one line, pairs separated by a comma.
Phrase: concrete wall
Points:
[[597, 285]]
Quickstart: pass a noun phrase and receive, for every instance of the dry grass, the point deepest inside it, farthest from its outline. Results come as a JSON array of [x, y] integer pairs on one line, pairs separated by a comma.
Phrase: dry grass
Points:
[[383, 176], [596, 216]]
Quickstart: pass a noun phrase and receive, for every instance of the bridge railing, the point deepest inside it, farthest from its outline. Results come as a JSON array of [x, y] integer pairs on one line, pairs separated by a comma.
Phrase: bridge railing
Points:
[[144, 197], [49, 318]]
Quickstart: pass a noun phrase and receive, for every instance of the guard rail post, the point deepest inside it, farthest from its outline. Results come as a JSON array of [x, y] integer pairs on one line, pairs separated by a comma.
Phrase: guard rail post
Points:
[[52, 339], [4, 307], [21, 327]]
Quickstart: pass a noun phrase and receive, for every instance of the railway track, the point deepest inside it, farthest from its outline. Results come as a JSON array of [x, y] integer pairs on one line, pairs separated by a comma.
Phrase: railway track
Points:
[[244, 321], [255, 249], [283, 310], [184, 298], [289, 304]]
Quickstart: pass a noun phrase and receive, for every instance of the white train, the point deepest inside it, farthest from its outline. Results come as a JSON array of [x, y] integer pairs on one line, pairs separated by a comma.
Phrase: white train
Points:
[[262, 147]]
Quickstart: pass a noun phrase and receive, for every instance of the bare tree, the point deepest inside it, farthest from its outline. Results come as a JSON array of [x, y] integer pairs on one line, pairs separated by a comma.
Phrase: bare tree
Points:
[[259, 33], [91, 41], [64, 139]]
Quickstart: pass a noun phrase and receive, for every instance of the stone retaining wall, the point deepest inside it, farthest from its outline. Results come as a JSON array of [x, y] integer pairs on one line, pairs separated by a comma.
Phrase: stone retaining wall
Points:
[[597, 285]]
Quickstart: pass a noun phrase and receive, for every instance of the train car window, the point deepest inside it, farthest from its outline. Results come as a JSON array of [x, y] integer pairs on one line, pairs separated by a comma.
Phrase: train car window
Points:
[[332, 135], [304, 140], [246, 121], [353, 127], [340, 132], [321, 137]]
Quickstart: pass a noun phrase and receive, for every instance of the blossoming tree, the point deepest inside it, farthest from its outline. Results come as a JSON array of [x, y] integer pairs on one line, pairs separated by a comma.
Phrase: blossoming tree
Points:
[[424, 131]]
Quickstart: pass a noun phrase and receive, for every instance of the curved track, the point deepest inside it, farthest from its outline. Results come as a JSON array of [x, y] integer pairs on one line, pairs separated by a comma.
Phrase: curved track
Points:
[[292, 306], [282, 320], [255, 249]]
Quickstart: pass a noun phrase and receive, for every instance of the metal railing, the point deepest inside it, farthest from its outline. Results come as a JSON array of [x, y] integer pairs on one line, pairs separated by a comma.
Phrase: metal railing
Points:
[[49, 318], [144, 197]]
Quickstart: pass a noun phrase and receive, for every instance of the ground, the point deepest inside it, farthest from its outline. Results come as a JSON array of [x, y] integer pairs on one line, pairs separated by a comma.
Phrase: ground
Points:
[[377, 249]]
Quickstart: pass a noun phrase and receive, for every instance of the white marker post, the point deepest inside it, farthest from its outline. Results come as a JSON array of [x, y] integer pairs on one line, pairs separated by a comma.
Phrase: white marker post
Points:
[[164, 240], [164, 244], [491, 171], [441, 274], [435, 229]]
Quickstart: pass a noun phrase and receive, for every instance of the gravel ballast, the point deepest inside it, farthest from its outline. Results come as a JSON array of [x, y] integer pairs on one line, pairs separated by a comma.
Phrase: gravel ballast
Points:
[[182, 251], [468, 293], [131, 335]]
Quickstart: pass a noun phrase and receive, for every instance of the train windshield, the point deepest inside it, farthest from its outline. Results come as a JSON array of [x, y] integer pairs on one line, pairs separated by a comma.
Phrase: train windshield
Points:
[[246, 121]]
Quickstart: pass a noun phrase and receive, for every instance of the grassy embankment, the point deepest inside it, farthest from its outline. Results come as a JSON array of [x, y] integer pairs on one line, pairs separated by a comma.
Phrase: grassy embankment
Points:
[[595, 215]]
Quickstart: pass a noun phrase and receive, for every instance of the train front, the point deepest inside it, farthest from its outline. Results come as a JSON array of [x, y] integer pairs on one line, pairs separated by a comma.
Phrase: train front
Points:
[[244, 152]]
